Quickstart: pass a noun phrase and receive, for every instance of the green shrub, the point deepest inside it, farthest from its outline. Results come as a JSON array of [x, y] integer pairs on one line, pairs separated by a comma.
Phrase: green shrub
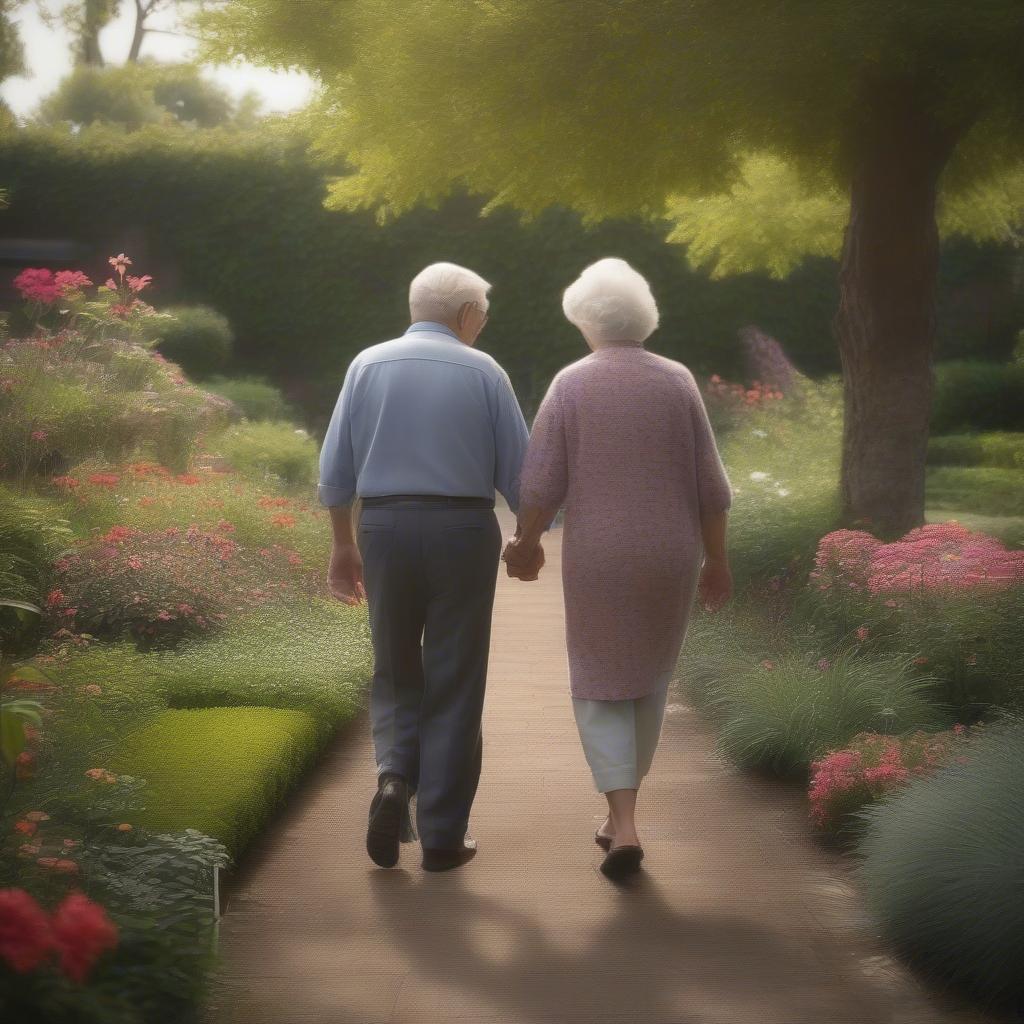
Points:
[[198, 339], [148, 498], [254, 396], [30, 535], [978, 396], [1000, 449], [941, 869], [783, 463], [984, 489], [222, 771], [784, 713], [269, 450], [312, 657], [80, 398]]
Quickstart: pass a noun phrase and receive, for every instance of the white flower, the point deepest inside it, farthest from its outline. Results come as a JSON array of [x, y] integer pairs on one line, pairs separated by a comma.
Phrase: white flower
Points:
[[758, 475], [759, 433], [782, 492], [302, 433]]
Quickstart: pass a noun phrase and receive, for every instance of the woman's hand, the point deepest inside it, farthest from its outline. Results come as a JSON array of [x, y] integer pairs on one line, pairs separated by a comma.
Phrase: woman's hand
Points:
[[523, 562], [715, 585], [345, 575]]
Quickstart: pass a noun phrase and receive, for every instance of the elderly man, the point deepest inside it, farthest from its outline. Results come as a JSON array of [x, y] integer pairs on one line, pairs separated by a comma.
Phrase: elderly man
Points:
[[424, 430]]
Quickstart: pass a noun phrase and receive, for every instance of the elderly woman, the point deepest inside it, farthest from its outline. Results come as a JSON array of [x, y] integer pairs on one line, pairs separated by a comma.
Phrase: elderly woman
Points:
[[622, 440]]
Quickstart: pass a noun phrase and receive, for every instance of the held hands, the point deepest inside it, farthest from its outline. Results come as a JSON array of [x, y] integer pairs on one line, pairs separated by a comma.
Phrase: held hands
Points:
[[345, 575], [715, 585], [523, 563]]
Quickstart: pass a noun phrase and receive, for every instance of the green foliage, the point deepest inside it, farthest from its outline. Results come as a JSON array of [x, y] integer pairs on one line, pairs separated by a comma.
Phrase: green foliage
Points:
[[11, 54], [966, 642], [692, 88], [985, 489], [30, 535], [264, 659], [973, 395], [783, 463], [787, 711], [199, 764], [83, 397], [771, 218], [941, 869], [269, 450], [133, 95], [1000, 449], [199, 339], [255, 397], [321, 285]]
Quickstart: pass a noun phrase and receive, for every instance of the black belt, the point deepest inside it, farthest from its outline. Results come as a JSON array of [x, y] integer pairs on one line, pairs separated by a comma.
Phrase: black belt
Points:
[[427, 499]]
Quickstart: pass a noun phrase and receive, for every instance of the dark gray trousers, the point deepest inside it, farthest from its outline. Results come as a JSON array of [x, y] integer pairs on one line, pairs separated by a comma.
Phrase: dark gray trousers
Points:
[[430, 573]]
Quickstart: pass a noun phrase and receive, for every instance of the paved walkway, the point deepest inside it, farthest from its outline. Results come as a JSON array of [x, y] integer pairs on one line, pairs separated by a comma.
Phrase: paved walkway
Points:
[[738, 917]]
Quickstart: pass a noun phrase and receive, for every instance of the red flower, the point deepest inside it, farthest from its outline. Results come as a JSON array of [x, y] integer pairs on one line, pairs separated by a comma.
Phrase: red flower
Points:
[[68, 482], [25, 936], [54, 598], [26, 828], [104, 479], [81, 932], [37, 285]]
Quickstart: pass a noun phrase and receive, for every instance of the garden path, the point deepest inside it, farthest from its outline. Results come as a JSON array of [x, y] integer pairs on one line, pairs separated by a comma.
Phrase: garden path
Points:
[[738, 917]]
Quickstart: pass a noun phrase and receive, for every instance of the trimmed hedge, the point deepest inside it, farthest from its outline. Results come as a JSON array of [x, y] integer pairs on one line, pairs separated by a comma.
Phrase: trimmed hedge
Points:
[[1001, 449], [236, 219], [255, 398], [973, 395], [221, 771], [198, 339]]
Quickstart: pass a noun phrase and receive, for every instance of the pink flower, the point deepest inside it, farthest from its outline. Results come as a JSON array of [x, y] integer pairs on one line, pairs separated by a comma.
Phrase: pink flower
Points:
[[824, 664], [39, 435], [69, 281], [120, 263], [863, 632], [136, 284], [37, 285]]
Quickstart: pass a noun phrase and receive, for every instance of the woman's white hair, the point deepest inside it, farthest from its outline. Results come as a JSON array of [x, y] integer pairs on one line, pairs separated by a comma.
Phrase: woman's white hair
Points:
[[437, 292], [610, 301]]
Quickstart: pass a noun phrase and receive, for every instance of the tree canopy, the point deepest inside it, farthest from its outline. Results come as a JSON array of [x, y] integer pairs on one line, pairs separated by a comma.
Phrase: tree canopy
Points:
[[624, 107]]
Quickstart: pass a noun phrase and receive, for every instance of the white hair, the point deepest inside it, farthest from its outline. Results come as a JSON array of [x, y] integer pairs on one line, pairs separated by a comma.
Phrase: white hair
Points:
[[610, 301], [438, 292]]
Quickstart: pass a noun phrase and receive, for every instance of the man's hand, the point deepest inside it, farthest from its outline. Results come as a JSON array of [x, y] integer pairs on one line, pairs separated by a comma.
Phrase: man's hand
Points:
[[715, 585], [345, 576], [522, 563]]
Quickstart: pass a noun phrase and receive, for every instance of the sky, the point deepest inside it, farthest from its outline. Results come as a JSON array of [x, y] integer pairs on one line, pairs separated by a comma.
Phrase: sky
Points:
[[48, 60]]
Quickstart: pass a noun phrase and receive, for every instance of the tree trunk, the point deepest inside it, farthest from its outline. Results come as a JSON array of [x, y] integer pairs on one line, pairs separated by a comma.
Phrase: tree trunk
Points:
[[885, 323], [138, 33]]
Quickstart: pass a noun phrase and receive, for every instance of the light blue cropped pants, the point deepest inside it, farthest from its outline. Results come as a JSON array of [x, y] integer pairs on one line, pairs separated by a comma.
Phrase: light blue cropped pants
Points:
[[620, 737]]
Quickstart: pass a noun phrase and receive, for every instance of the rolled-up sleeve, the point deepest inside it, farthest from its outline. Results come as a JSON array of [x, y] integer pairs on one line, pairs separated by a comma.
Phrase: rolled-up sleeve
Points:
[[337, 484], [511, 437], [713, 487], [545, 477]]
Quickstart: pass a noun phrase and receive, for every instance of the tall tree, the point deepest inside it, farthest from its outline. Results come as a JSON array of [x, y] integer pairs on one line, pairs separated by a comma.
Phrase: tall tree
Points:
[[622, 107]]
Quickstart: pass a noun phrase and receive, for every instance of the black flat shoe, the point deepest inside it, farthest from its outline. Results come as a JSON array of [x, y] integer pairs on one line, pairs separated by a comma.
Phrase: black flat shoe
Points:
[[605, 842], [621, 862], [445, 860], [389, 812]]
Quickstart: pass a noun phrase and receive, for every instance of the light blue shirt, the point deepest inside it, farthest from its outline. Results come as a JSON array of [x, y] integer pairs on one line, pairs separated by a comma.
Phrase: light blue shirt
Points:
[[423, 414]]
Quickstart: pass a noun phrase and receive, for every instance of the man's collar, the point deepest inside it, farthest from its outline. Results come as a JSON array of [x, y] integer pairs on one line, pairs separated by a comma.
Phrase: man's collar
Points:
[[434, 327]]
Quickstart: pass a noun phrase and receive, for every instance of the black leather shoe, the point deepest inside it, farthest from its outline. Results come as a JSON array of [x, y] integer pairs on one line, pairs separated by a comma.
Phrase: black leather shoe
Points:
[[621, 862], [445, 860], [389, 812]]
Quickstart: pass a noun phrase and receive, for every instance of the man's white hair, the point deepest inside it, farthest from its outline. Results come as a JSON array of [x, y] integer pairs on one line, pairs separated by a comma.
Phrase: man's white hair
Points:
[[437, 292], [610, 301]]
